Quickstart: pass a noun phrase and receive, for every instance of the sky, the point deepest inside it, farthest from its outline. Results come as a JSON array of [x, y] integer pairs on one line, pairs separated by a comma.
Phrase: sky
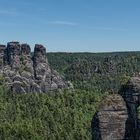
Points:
[[72, 25]]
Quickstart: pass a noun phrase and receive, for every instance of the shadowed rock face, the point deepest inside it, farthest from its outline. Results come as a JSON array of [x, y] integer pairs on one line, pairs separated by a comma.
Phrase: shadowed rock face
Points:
[[24, 73], [109, 123], [131, 91], [131, 94], [13, 54]]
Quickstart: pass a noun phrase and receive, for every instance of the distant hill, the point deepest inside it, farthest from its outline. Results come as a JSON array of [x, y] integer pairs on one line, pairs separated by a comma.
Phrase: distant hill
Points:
[[101, 71]]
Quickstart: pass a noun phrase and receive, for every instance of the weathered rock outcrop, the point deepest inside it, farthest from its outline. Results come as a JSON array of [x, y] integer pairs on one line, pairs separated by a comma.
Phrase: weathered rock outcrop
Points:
[[117, 117], [131, 91], [109, 123], [24, 73], [131, 94]]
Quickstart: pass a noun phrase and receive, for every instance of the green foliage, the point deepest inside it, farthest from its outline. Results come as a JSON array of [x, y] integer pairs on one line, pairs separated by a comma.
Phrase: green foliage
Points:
[[102, 71], [24, 68], [59, 116], [2, 79], [67, 115]]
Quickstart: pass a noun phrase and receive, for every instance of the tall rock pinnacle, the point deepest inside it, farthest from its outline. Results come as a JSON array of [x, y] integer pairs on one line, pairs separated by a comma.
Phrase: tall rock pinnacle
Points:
[[109, 123], [13, 54], [24, 73]]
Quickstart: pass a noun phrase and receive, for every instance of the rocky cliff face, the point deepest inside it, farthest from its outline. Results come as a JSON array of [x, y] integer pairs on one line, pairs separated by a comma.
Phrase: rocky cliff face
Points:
[[110, 121], [24, 73], [131, 94], [117, 117]]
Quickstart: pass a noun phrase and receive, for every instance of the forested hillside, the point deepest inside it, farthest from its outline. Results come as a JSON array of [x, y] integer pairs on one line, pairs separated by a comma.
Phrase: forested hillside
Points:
[[101, 71], [66, 115]]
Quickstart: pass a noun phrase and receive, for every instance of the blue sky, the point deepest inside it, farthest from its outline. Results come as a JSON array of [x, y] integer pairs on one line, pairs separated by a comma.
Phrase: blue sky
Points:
[[72, 25]]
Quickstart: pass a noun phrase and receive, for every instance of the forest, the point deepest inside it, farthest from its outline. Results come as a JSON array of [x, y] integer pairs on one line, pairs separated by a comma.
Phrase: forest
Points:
[[66, 115], [105, 72], [57, 116]]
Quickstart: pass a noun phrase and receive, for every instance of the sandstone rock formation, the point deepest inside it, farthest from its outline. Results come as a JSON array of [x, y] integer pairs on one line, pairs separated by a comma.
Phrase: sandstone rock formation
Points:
[[131, 91], [109, 123], [131, 94], [2, 53], [24, 73], [117, 117]]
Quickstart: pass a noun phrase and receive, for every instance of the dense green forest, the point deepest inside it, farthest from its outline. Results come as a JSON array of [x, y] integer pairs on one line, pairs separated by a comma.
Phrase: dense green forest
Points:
[[101, 71], [66, 115], [59, 116]]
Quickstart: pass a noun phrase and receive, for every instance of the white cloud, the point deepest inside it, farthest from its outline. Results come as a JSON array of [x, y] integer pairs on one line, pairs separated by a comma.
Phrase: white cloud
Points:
[[63, 23]]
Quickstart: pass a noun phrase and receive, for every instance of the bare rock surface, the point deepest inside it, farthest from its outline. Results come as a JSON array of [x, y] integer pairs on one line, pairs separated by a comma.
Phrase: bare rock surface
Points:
[[109, 123], [131, 91], [131, 94], [24, 73]]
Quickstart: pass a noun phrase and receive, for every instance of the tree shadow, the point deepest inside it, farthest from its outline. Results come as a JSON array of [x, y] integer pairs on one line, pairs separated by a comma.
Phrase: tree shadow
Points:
[[96, 134]]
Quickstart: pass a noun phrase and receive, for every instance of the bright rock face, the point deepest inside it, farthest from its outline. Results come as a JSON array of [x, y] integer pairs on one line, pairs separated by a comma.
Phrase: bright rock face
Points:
[[24, 73], [109, 123]]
